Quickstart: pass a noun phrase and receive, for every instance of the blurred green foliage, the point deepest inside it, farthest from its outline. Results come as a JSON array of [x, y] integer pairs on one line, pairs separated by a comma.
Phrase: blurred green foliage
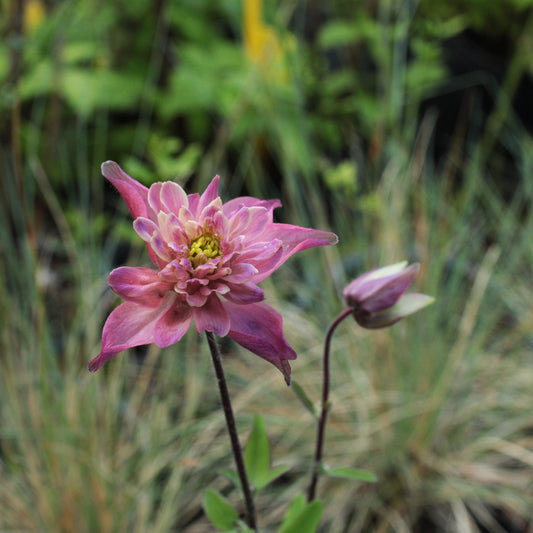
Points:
[[182, 94]]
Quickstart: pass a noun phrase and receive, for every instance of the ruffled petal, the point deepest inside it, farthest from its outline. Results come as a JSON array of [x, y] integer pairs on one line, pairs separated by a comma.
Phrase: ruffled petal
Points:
[[212, 317], [244, 293], [145, 228], [294, 239], [134, 193], [241, 272], [259, 328], [232, 206], [139, 285], [173, 197], [128, 325]]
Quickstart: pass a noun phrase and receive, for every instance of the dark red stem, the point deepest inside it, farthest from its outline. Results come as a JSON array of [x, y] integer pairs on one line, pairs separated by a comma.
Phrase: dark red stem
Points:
[[311, 491]]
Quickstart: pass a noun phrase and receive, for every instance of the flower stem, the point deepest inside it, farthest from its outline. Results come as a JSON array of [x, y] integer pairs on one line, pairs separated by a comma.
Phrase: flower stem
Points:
[[325, 406], [232, 430]]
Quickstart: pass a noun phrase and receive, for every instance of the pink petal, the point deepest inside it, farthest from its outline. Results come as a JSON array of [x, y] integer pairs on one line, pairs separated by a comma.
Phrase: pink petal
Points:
[[212, 317], [244, 293], [294, 239], [259, 328], [173, 197], [196, 299], [134, 193], [171, 327], [238, 221], [145, 228], [232, 206], [241, 272], [381, 293], [406, 305], [381, 273], [194, 199], [209, 195], [139, 285], [248, 221], [154, 197], [130, 324]]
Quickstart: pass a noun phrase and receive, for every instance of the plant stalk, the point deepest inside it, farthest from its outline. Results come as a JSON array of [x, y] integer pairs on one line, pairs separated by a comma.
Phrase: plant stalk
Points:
[[251, 519], [321, 432]]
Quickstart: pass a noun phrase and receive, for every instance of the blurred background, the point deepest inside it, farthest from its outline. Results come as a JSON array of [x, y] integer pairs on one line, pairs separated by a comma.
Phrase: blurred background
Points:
[[404, 126]]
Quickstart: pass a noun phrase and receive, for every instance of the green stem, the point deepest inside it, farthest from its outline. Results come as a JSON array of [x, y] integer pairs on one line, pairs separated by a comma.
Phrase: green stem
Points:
[[232, 430], [311, 491]]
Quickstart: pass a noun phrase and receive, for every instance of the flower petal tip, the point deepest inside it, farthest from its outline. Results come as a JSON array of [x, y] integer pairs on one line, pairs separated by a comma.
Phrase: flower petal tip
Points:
[[93, 365], [109, 168], [285, 368]]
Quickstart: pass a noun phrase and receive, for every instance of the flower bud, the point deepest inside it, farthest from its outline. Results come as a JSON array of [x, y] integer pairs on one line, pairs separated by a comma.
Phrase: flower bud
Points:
[[378, 297]]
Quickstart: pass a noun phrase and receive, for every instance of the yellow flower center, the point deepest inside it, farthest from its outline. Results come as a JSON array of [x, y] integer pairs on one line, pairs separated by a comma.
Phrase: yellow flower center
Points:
[[204, 248]]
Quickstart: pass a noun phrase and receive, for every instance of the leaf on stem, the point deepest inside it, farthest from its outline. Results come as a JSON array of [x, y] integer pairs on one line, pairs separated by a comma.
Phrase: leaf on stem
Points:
[[257, 457], [257, 452], [302, 517], [219, 511]]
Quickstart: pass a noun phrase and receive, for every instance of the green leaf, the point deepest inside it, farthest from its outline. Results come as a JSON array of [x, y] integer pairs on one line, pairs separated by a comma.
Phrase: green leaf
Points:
[[219, 511], [257, 453], [351, 473], [297, 504], [306, 520], [271, 475], [308, 404]]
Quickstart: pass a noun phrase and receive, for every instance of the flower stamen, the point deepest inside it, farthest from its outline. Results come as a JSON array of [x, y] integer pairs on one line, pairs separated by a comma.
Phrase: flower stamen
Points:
[[204, 248]]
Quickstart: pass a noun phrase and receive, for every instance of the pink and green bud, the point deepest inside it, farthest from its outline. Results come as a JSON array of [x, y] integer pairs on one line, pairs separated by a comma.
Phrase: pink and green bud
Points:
[[378, 297]]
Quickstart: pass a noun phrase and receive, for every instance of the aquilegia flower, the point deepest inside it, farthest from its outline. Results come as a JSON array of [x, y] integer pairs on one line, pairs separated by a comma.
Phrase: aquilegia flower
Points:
[[209, 258], [378, 297]]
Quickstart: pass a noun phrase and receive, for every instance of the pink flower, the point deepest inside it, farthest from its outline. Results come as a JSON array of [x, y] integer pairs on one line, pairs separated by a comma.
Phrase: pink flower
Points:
[[378, 297], [209, 258]]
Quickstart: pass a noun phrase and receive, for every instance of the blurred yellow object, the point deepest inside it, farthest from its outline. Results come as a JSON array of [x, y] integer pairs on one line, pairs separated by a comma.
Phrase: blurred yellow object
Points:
[[262, 44], [34, 14]]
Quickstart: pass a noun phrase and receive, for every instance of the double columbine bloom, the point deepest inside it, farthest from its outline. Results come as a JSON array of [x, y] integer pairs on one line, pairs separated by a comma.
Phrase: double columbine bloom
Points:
[[378, 297], [209, 258]]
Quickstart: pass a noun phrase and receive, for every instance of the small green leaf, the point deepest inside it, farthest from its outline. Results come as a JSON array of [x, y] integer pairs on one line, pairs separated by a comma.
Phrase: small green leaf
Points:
[[308, 404], [257, 453], [304, 521], [297, 504], [219, 511], [271, 475], [351, 473]]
